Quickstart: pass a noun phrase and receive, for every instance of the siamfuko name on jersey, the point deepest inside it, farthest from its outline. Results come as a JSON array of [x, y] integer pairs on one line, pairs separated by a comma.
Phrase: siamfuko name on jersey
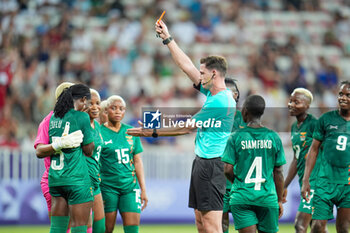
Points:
[[210, 123], [256, 144]]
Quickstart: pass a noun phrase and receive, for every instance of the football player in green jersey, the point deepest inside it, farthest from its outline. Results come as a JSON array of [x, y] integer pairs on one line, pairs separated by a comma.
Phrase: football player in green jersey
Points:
[[69, 182], [238, 123], [98, 225], [333, 183], [301, 133], [123, 182], [253, 163]]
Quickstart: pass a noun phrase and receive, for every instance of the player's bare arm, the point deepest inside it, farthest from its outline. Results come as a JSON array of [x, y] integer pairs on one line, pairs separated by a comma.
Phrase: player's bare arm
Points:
[[291, 174], [309, 166], [228, 170], [71, 140], [89, 149], [141, 178], [279, 184], [44, 150], [180, 58]]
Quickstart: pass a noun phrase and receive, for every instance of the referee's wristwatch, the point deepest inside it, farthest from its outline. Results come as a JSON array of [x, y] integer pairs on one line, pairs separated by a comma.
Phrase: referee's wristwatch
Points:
[[167, 40], [155, 134]]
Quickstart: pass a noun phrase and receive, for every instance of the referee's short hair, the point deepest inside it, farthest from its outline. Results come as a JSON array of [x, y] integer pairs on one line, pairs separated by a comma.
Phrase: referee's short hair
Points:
[[215, 62], [255, 105]]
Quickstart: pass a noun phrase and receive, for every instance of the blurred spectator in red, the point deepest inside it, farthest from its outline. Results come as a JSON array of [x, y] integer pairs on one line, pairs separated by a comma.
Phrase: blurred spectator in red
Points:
[[6, 75], [8, 131]]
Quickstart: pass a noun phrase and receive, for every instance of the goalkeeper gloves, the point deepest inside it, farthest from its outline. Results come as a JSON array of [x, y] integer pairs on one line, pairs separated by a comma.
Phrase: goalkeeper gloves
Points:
[[71, 140]]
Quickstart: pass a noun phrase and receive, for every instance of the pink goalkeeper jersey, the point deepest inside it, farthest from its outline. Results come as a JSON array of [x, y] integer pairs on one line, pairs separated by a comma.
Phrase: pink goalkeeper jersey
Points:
[[43, 138]]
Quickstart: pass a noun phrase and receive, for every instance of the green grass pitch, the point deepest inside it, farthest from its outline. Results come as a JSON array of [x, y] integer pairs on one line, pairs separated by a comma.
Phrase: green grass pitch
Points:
[[284, 228]]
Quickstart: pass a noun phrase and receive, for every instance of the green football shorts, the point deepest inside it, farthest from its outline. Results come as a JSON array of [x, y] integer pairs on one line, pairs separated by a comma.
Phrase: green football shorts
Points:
[[327, 195], [266, 218], [74, 194], [124, 202], [307, 206]]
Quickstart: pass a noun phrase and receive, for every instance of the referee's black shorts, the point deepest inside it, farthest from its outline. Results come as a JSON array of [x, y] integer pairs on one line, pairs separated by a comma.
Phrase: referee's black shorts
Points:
[[208, 184]]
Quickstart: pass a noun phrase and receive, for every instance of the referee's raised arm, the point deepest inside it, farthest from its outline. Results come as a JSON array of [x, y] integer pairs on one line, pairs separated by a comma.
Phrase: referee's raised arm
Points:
[[180, 58]]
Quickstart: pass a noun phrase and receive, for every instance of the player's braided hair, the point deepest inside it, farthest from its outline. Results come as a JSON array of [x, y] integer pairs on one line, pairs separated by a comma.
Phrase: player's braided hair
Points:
[[65, 100], [346, 82]]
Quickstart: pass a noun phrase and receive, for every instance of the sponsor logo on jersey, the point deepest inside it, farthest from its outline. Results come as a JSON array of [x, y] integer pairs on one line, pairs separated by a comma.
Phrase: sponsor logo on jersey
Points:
[[333, 127], [108, 142], [302, 136]]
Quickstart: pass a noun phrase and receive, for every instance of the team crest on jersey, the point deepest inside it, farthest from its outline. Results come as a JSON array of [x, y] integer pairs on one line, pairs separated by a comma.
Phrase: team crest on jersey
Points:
[[129, 140], [302, 136]]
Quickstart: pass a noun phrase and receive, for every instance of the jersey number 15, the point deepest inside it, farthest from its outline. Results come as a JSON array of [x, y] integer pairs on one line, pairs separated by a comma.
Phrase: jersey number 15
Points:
[[123, 155]]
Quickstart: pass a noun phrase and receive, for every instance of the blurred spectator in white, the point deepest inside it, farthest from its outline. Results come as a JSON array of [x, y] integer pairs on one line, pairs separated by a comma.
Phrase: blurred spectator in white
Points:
[[184, 30], [82, 40]]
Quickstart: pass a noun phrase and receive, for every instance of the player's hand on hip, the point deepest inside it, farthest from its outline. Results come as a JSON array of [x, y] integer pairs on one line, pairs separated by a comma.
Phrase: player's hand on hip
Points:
[[305, 190], [284, 196], [280, 210], [162, 30], [144, 200]]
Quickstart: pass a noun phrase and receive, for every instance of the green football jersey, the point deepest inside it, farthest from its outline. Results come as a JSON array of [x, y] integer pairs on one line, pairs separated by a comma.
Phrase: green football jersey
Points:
[[93, 162], [238, 123], [117, 158], [254, 152], [69, 167], [301, 140], [334, 133]]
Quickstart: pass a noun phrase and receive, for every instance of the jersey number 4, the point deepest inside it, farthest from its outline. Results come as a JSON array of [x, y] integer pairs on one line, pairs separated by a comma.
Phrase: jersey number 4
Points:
[[257, 166]]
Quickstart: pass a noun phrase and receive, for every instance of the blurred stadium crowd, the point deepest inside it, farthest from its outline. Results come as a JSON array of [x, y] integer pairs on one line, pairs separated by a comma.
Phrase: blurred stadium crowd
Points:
[[272, 47]]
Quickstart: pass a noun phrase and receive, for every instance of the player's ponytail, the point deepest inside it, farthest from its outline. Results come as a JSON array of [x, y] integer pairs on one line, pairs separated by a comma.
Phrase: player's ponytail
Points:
[[65, 101]]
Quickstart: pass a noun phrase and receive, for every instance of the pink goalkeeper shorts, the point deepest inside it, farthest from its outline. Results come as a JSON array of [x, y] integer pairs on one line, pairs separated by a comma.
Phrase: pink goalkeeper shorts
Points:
[[44, 183]]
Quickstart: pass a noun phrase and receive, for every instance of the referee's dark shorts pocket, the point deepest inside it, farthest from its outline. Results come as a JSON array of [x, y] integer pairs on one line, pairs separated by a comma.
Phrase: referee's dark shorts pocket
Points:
[[218, 179]]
